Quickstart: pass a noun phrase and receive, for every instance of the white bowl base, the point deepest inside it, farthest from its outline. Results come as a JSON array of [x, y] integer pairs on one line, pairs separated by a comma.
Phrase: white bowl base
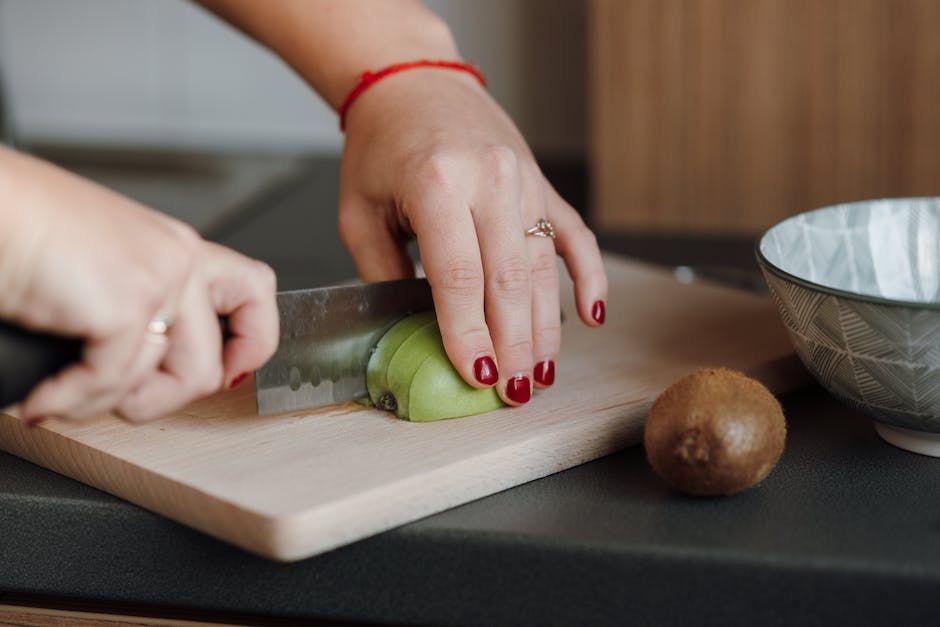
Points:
[[915, 441]]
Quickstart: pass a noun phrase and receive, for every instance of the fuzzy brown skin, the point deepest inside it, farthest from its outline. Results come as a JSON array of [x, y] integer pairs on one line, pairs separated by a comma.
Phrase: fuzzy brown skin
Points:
[[714, 432]]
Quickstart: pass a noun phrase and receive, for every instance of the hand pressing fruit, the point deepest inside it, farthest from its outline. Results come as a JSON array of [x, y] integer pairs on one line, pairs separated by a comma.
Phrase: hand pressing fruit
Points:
[[409, 373], [715, 432]]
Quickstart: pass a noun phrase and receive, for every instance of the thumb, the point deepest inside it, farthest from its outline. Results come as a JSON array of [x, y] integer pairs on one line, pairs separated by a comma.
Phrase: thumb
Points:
[[375, 242]]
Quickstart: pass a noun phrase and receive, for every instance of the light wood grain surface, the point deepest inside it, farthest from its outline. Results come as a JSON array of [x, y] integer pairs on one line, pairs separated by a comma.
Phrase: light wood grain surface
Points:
[[294, 485], [728, 116]]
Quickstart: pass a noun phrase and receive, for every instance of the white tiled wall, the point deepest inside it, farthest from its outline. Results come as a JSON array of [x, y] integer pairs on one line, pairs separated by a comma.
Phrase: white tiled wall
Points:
[[163, 72]]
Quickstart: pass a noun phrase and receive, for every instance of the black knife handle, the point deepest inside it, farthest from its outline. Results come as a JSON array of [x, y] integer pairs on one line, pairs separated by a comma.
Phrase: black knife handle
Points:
[[27, 357]]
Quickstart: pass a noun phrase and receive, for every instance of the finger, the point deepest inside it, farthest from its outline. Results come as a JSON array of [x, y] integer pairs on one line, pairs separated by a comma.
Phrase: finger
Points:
[[144, 366], [450, 254], [577, 245], [94, 385], [546, 310], [376, 246], [543, 271], [191, 367], [506, 268], [244, 290]]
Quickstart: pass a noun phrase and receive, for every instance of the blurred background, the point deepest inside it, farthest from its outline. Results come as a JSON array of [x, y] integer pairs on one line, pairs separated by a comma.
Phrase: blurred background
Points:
[[682, 120], [165, 103], [164, 73]]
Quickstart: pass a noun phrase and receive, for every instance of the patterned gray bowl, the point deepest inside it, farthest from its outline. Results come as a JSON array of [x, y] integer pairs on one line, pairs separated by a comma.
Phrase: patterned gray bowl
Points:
[[858, 287]]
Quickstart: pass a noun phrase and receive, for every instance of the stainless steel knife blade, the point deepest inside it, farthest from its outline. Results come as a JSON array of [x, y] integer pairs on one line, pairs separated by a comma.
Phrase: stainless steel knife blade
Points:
[[327, 336]]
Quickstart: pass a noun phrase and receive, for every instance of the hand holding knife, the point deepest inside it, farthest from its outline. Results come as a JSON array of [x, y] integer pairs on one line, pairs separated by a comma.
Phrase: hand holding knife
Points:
[[327, 335]]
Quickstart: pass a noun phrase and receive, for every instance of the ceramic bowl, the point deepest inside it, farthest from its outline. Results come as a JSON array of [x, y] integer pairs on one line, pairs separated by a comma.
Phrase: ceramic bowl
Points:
[[858, 287]]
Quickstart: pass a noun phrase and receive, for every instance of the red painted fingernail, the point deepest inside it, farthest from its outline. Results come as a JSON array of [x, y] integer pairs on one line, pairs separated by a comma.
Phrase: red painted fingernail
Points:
[[598, 312], [544, 372], [34, 422], [238, 380], [484, 369], [518, 389]]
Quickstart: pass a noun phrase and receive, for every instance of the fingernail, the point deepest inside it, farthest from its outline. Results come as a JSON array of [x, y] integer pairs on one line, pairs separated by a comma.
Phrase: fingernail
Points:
[[238, 380], [518, 389], [598, 312], [544, 372], [34, 422], [484, 369]]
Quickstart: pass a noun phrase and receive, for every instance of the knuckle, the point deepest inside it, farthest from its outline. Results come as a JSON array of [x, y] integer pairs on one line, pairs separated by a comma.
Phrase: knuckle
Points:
[[186, 243], [500, 163], [547, 335], [461, 278], [439, 169], [520, 348], [105, 385], [155, 282], [151, 296], [544, 272], [511, 279], [265, 279], [106, 378], [188, 237]]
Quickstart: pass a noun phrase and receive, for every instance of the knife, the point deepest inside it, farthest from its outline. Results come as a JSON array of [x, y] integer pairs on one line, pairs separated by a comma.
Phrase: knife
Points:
[[327, 337]]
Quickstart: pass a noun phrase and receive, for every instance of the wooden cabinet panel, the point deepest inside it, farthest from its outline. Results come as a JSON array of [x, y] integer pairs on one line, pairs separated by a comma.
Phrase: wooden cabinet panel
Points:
[[728, 115]]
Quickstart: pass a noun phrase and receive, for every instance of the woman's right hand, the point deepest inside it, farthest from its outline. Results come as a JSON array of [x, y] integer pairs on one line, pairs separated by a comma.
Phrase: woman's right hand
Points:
[[79, 260]]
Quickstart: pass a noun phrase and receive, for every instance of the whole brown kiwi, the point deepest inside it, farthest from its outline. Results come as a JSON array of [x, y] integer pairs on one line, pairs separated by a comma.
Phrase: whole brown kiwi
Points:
[[715, 431]]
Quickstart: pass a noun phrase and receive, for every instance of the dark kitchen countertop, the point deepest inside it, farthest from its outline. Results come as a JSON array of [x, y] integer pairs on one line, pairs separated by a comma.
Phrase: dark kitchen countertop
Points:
[[846, 530]]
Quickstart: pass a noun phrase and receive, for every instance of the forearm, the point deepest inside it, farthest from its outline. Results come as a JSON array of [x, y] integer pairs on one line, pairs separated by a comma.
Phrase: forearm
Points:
[[21, 222], [329, 43]]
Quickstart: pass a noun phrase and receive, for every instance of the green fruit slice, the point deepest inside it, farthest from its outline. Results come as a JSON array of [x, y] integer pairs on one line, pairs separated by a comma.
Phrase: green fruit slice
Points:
[[409, 373], [377, 369], [406, 361], [438, 392]]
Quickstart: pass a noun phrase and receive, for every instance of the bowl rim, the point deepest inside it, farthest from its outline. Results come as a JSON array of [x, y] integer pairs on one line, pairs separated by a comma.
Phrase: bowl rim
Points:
[[773, 268]]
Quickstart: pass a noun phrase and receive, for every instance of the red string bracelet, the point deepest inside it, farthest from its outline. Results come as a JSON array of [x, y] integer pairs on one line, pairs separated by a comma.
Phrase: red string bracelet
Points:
[[368, 78]]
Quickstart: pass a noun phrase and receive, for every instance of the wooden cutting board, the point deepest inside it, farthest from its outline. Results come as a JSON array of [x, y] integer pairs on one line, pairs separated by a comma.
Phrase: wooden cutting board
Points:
[[295, 485]]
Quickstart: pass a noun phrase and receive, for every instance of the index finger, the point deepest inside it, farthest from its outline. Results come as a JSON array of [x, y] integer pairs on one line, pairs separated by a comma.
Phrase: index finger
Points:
[[450, 253], [244, 290]]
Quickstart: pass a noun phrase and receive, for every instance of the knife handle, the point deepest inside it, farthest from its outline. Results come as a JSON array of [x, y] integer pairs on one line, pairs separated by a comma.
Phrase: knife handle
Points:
[[28, 357]]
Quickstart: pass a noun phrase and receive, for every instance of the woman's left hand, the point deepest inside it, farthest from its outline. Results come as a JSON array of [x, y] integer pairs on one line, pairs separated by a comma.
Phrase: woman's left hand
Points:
[[429, 154]]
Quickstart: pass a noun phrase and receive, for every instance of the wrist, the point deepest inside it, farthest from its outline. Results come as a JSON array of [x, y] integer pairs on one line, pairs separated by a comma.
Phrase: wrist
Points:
[[402, 100], [371, 77]]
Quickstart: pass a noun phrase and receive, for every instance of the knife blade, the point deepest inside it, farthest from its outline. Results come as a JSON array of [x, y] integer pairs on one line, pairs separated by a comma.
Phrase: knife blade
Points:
[[327, 337]]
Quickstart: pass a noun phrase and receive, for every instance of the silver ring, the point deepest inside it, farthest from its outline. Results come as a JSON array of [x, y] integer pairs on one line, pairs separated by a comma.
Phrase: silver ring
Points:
[[542, 228], [158, 329]]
